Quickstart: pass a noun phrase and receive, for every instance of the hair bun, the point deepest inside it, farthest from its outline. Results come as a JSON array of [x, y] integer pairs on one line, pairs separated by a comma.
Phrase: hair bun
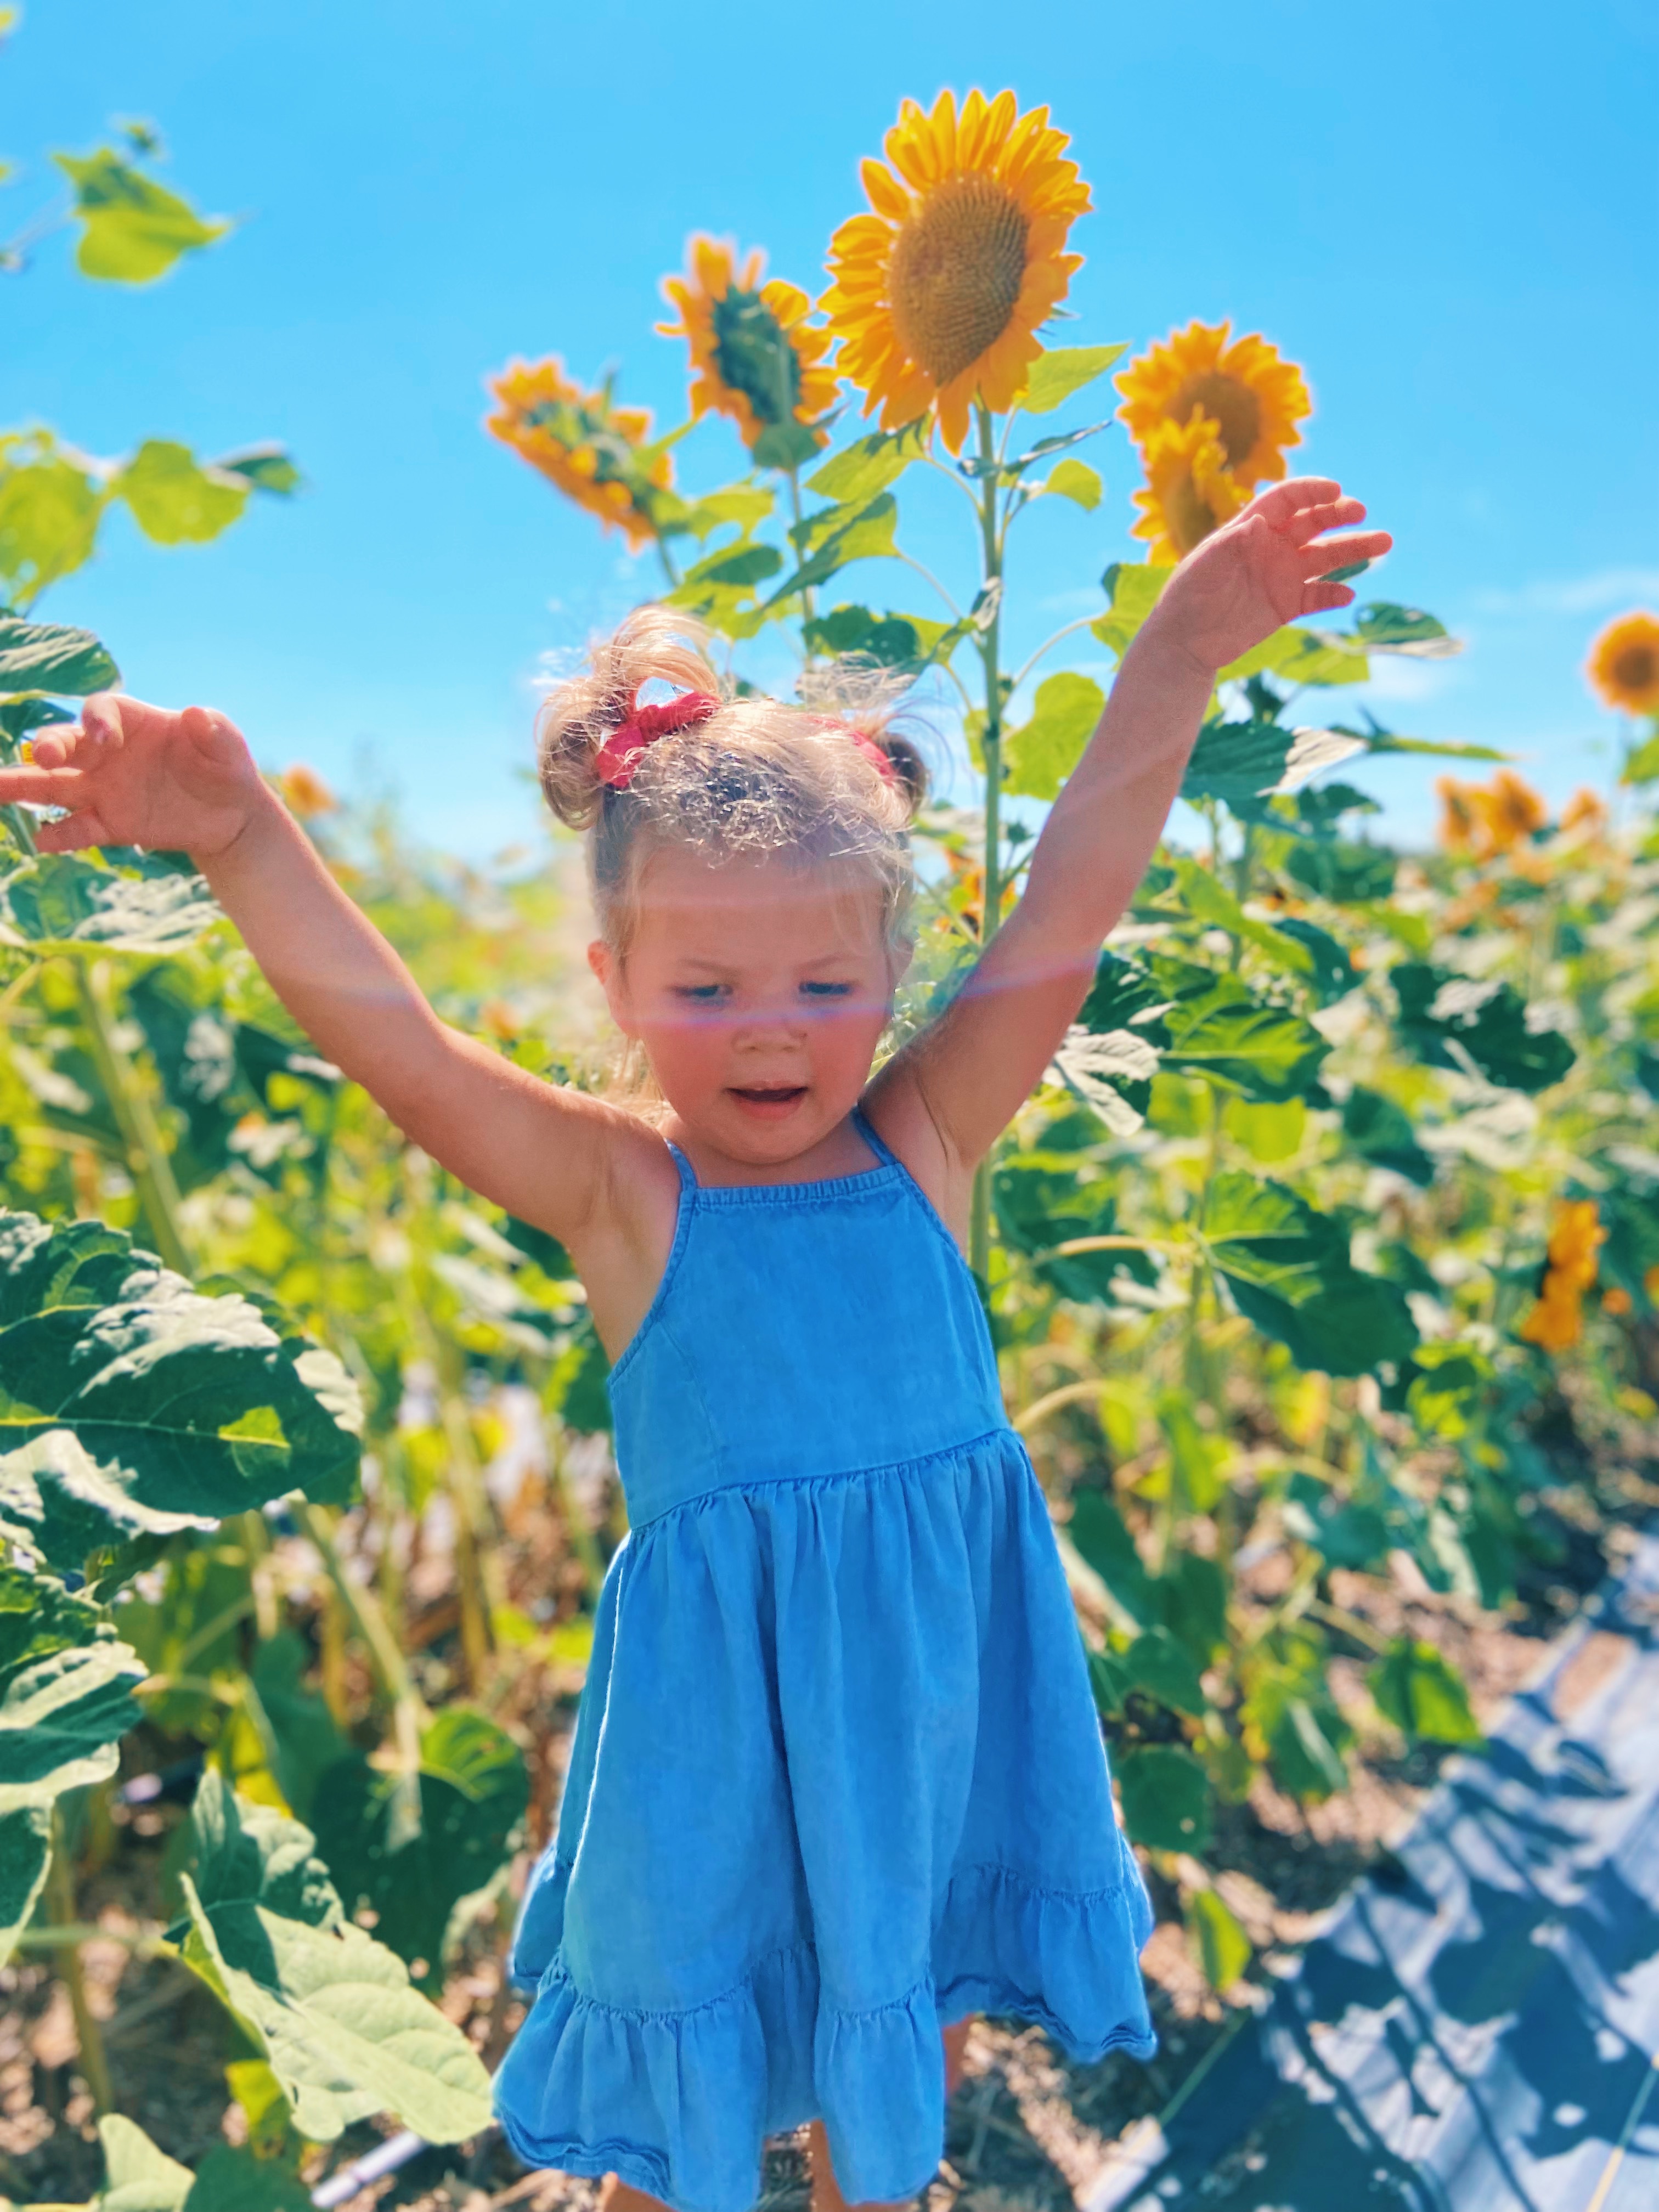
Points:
[[653, 645]]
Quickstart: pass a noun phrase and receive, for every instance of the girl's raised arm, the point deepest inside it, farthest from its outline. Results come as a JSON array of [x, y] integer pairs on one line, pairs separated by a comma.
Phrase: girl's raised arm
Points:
[[136, 774], [955, 1089]]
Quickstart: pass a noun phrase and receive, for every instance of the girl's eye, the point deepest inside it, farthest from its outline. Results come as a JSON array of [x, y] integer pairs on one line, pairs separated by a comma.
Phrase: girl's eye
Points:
[[826, 990], [700, 994]]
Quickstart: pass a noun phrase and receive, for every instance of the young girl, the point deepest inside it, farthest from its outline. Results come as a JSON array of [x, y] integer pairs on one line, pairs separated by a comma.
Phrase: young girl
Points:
[[837, 1780]]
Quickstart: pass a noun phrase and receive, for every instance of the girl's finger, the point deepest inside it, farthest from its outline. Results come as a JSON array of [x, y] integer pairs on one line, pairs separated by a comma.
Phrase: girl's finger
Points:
[[1280, 502], [102, 729], [1342, 552], [1321, 599], [75, 833], [1312, 521], [42, 787], [54, 747], [207, 728]]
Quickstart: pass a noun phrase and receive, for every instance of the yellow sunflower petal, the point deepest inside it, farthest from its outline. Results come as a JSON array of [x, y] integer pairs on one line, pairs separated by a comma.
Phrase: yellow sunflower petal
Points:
[[1253, 395], [937, 297], [1189, 490]]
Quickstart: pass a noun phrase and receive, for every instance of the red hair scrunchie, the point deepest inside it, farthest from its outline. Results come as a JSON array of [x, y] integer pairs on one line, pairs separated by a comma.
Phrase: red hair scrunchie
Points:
[[624, 749]]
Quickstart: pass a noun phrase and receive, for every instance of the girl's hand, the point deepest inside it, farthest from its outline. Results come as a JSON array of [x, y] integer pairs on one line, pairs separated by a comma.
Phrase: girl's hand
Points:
[[133, 775], [1263, 568]]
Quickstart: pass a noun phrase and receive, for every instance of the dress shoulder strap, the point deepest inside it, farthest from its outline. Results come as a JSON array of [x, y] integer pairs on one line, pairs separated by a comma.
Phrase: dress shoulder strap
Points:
[[866, 1129], [687, 1173]]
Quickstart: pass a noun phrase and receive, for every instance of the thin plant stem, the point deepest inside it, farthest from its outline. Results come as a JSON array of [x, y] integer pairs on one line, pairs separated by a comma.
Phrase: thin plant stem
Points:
[[979, 1240], [668, 567], [1083, 622], [928, 575], [146, 1157], [808, 598], [60, 1885]]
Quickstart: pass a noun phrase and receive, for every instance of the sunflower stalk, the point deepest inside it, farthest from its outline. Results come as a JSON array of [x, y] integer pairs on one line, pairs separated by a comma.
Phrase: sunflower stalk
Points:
[[990, 640]]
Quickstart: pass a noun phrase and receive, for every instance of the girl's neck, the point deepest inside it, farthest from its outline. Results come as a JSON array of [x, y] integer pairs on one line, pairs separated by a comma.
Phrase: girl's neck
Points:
[[844, 1150]]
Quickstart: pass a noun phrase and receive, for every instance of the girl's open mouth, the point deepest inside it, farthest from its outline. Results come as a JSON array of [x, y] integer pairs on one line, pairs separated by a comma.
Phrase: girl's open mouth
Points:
[[771, 1101]]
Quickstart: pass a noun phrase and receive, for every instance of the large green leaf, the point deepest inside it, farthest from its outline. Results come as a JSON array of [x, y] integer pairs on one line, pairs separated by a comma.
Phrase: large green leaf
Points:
[[134, 228], [173, 499], [137, 2176], [1058, 373], [1039, 1206], [1104, 1541], [1167, 1805], [1244, 763], [1339, 869], [330, 2009], [50, 511], [1041, 753], [1301, 656], [72, 901], [1289, 1269], [1224, 1950], [130, 1403], [869, 465], [1381, 1132], [49, 657], [1252, 1046], [1443, 1017], [473, 1791], [1423, 1694], [1133, 589], [836, 536], [1291, 1705], [896, 640], [66, 1685], [1111, 1071]]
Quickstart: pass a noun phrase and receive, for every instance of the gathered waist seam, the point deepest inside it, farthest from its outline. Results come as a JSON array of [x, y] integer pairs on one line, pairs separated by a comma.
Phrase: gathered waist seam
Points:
[[885, 1472]]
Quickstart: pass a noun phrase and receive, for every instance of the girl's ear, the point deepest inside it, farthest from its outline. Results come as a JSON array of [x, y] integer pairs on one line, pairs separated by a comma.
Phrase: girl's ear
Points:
[[612, 975]]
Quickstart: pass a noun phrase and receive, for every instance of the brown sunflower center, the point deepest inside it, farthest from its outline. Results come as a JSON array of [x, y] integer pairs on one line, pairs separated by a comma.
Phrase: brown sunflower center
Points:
[[1227, 402], [1635, 668], [957, 268]]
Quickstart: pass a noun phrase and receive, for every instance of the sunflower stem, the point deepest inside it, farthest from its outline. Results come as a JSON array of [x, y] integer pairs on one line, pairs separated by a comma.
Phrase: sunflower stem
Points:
[[668, 567], [979, 1239], [808, 598]]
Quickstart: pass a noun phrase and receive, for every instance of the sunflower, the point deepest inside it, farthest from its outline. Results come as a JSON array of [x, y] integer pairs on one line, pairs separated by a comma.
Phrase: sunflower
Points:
[[1485, 819], [754, 354], [1189, 490], [1624, 664], [1254, 396], [304, 793], [1557, 1320], [938, 293], [597, 453]]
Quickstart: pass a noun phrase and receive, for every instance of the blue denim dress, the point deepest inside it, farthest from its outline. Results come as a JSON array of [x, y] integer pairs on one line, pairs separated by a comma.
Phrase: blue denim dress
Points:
[[837, 1778]]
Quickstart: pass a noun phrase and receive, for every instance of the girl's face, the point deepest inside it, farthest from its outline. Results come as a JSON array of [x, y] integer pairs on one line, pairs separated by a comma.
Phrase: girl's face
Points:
[[759, 991]]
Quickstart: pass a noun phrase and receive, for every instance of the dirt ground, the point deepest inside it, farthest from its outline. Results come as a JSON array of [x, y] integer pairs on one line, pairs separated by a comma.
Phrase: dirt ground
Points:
[[1028, 2128]]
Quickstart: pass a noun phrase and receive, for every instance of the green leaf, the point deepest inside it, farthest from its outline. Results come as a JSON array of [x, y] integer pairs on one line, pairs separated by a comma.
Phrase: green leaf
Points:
[[1423, 1694], [1133, 589], [1296, 947], [1197, 1456], [267, 468], [1243, 1043], [1041, 753], [1077, 482], [1268, 1132], [1111, 1071], [1339, 869], [1102, 1540], [65, 901], [1641, 766], [137, 2177], [1303, 1725], [896, 640], [48, 657], [743, 505], [330, 2009], [1381, 1132], [1222, 1947], [869, 465], [1328, 972], [1244, 763], [66, 1685], [236, 2180], [735, 566], [414, 1862], [838, 536], [1039, 1206], [1300, 656], [1167, 1804], [173, 499], [308, 1742], [1444, 1015], [1164, 1668], [1191, 1597], [127, 1398], [1059, 371], [1288, 1270], [50, 511], [134, 228], [1382, 627], [246, 1852], [1124, 996]]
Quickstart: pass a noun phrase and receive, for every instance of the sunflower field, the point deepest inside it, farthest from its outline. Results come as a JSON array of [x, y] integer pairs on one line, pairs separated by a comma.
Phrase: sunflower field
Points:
[[1323, 1266]]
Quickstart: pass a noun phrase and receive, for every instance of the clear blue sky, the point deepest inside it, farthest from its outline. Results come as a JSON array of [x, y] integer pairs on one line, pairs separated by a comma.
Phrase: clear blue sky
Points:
[[1447, 212]]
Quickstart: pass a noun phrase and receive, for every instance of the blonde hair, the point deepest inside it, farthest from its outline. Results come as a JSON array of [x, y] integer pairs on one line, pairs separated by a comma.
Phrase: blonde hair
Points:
[[755, 777]]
